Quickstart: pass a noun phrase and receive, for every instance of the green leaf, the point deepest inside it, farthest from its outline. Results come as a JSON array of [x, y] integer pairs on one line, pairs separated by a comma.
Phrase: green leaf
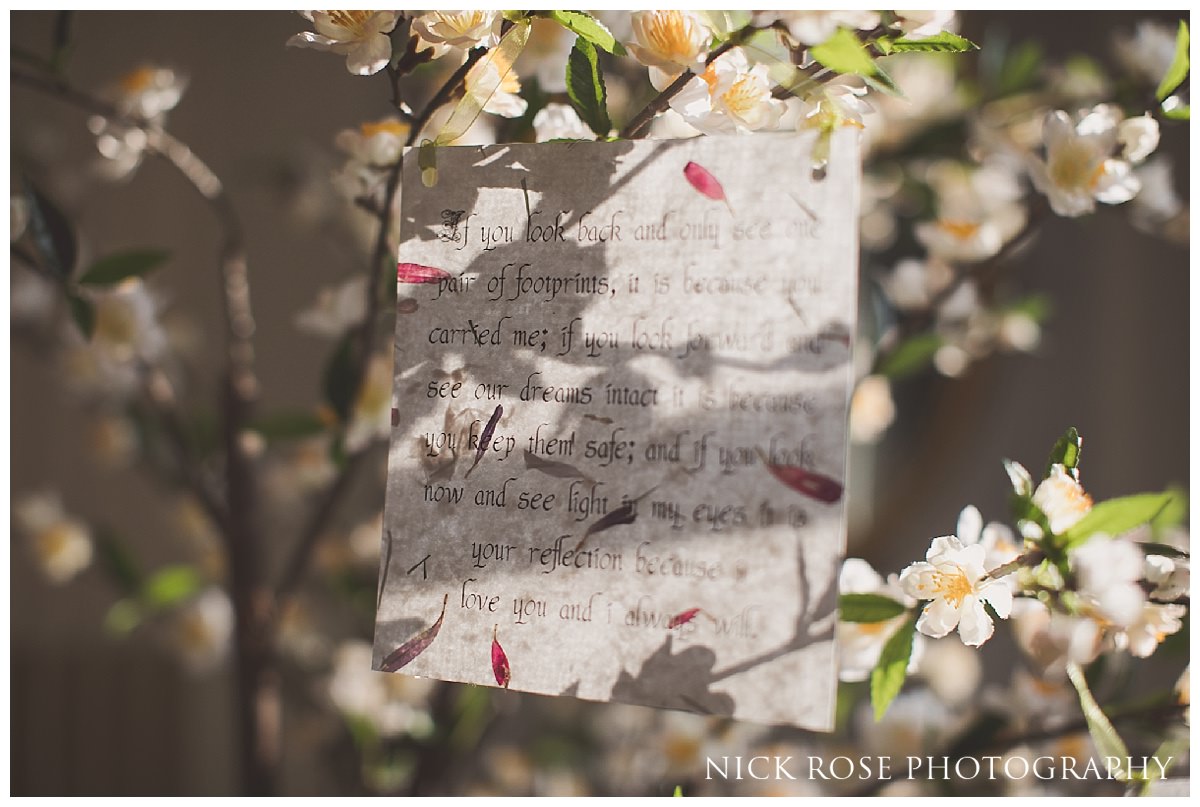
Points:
[[84, 314], [591, 29], [884, 83], [1174, 513], [171, 585], [844, 53], [1178, 70], [1180, 112], [52, 233], [288, 424], [339, 376], [112, 270], [585, 87], [1065, 452], [678, 792], [945, 42], [1037, 307], [117, 560], [888, 676], [911, 356], [868, 608], [1104, 736], [123, 616], [1020, 70], [1116, 516]]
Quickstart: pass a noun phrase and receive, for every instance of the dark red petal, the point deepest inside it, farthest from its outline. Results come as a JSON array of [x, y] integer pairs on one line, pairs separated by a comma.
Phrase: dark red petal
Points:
[[500, 667], [811, 484], [682, 618], [416, 273], [415, 646], [703, 181]]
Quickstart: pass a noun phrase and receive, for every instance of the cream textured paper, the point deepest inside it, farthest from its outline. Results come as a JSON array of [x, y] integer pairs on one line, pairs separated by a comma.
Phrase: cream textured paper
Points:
[[644, 347]]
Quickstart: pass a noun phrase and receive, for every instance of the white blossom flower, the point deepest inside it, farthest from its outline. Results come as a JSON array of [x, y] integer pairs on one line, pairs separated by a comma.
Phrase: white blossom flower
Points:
[[1062, 499], [999, 544], [560, 121], [729, 96], [814, 27], [1079, 168], [668, 42], [378, 143], [393, 705], [61, 544], [1171, 577], [31, 297], [872, 409], [202, 630], [917, 721], [954, 580], [1108, 570], [336, 309], [832, 107], [978, 211], [1138, 137], [1155, 622], [952, 672], [1157, 203], [371, 417], [113, 439], [913, 283], [860, 643], [360, 36], [460, 29], [1019, 331]]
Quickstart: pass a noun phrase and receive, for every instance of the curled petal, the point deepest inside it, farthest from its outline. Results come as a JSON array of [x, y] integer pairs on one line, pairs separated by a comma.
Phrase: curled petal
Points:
[[975, 626], [369, 57], [938, 619], [307, 39]]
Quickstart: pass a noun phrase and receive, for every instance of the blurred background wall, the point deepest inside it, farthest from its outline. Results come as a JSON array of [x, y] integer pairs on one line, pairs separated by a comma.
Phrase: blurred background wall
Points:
[[94, 715]]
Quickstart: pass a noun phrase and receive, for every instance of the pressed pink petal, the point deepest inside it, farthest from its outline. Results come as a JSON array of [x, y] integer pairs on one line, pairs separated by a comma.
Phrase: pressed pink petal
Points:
[[811, 484], [416, 273], [415, 646], [500, 666], [682, 618], [703, 181]]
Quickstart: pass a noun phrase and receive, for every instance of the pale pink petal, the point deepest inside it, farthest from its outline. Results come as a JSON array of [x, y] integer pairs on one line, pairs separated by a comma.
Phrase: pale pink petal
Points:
[[970, 525], [370, 56]]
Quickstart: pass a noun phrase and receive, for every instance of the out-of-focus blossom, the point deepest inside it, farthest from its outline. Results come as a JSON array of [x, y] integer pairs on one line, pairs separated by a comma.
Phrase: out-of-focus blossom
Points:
[[393, 705], [61, 544], [1080, 169], [364, 542], [31, 297], [18, 216], [814, 27], [1138, 137], [923, 24], [954, 581], [913, 283], [916, 722], [1019, 331], [548, 48], [872, 409], [729, 96], [377, 143], [360, 36], [113, 439], [1155, 622], [298, 637], [1149, 51], [978, 211], [952, 671], [1052, 640], [202, 630], [298, 469], [460, 29], [860, 643], [828, 109], [1157, 203], [669, 42], [200, 536], [336, 309], [931, 95], [147, 93], [560, 122], [127, 332], [1108, 571], [371, 417], [1062, 499]]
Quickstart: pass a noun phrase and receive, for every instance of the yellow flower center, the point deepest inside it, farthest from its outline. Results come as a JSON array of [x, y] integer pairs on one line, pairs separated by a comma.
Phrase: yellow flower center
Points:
[[959, 229], [1074, 166], [952, 583], [742, 96], [669, 33], [137, 80], [51, 542], [389, 126], [114, 326], [871, 628], [463, 21], [354, 21]]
